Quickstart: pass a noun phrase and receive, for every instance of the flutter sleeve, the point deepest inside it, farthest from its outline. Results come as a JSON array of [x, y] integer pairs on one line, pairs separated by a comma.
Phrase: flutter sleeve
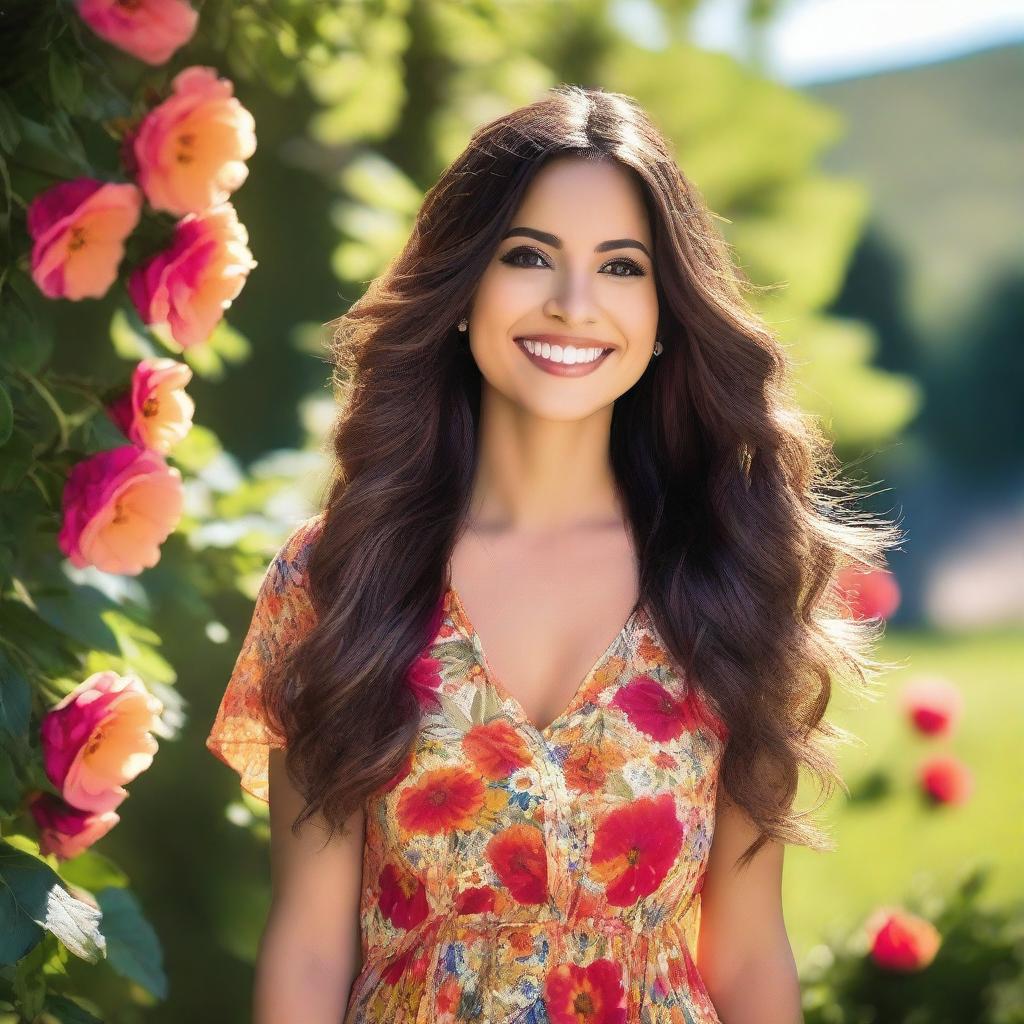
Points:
[[241, 735]]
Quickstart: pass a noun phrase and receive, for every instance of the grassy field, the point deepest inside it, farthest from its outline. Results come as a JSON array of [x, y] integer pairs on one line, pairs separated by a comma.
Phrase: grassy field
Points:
[[889, 841]]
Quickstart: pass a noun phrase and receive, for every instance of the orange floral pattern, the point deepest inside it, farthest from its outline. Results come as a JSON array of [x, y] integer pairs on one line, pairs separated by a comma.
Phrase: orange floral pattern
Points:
[[510, 873]]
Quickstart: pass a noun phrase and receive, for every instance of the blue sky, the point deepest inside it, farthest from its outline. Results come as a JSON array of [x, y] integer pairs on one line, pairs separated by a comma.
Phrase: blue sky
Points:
[[818, 40], [821, 40]]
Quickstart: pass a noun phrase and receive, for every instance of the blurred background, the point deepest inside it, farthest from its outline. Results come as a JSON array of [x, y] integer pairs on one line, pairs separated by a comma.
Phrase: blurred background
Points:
[[865, 158]]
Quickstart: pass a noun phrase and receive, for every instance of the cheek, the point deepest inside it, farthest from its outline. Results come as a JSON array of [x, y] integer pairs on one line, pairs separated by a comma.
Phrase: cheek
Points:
[[502, 298]]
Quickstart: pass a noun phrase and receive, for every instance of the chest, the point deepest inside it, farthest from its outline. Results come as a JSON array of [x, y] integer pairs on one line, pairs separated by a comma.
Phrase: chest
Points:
[[545, 611]]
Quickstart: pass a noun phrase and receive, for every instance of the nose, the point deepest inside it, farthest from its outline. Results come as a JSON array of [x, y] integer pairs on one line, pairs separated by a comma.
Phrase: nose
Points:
[[571, 299]]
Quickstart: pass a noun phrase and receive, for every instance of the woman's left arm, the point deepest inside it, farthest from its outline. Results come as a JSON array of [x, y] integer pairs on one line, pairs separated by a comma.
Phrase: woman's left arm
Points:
[[743, 951]]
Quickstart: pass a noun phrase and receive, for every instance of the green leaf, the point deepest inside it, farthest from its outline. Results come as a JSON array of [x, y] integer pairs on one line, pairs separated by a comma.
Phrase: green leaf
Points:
[[138, 647], [133, 948], [65, 81], [129, 338], [93, 871], [26, 342], [6, 416], [18, 459], [54, 152], [10, 784], [33, 900], [15, 698], [196, 449], [5, 200], [10, 132], [229, 343], [78, 614], [205, 362], [69, 1012], [100, 433]]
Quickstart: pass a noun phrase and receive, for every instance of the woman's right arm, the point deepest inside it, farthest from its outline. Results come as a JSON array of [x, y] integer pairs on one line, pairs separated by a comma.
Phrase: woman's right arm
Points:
[[310, 951]]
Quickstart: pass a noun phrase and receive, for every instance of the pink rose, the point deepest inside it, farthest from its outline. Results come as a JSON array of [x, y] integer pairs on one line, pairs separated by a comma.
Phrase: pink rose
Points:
[[148, 29], [98, 738], [185, 289], [945, 779], [78, 230], [64, 830], [869, 594], [119, 506], [934, 705], [900, 941], [190, 151], [156, 412]]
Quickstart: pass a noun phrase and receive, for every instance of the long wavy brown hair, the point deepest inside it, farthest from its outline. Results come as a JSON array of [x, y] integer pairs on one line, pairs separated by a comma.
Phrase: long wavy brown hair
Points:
[[733, 495]]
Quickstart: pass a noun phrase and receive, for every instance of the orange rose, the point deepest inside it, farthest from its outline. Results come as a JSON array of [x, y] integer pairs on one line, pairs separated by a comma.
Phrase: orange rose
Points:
[[148, 29], [65, 831], [98, 738], [119, 506], [184, 290], [190, 151], [78, 230], [156, 413]]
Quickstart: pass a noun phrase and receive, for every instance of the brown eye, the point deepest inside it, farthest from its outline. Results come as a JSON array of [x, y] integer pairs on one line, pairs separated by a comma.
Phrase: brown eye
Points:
[[634, 269], [513, 258]]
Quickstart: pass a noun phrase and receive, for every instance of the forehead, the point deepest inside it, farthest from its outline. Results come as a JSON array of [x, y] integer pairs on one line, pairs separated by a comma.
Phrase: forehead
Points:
[[584, 200]]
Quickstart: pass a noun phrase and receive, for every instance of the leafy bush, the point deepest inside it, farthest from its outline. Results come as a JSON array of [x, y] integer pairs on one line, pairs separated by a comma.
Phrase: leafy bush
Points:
[[976, 975]]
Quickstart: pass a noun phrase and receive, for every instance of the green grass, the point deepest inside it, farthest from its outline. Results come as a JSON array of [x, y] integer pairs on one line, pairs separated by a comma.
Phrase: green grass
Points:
[[896, 844]]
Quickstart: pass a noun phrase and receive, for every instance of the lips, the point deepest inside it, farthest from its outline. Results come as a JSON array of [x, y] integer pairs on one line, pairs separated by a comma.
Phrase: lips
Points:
[[562, 369]]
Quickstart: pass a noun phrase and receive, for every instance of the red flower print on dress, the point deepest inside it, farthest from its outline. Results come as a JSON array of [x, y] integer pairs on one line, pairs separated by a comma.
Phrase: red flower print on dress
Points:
[[586, 995], [662, 715], [441, 801], [634, 848], [497, 749], [424, 679], [403, 897], [520, 861], [475, 901], [588, 765]]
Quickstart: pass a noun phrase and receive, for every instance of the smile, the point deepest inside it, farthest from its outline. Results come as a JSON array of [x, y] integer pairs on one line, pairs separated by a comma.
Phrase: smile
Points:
[[563, 360]]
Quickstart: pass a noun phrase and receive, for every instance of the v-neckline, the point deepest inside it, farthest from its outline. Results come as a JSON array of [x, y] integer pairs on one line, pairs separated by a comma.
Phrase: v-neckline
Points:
[[510, 698]]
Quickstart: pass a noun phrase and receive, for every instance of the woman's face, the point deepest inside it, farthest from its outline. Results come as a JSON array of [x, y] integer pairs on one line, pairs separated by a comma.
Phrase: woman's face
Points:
[[574, 274]]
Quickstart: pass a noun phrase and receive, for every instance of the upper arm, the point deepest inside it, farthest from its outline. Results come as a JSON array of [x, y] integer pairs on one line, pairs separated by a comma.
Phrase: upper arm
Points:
[[316, 884], [741, 908]]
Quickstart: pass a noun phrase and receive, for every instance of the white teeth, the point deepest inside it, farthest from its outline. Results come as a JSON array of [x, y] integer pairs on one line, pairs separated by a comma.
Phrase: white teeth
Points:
[[568, 354]]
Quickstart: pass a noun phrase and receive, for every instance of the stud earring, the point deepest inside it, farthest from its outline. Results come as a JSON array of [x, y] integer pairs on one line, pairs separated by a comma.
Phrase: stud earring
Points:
[[658, 348], [463, 324]]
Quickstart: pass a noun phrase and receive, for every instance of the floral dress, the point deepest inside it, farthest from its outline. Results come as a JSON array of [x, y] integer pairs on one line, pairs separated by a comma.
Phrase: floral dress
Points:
[[511, 873]]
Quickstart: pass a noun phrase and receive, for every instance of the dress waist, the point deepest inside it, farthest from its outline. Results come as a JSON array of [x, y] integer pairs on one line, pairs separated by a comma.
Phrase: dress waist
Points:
[[442, 926]]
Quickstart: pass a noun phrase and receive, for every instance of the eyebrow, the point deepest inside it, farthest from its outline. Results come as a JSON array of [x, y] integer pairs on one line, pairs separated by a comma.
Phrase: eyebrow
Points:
[[556, 242]]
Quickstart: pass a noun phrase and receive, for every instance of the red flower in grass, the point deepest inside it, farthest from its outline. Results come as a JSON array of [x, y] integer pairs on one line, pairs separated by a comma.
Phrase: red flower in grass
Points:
[[932, 704], [870, 594], [946, 779], [901, 941]]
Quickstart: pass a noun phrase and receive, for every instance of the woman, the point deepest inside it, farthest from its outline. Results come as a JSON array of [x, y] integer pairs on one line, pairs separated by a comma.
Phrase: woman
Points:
[[553, 653]]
